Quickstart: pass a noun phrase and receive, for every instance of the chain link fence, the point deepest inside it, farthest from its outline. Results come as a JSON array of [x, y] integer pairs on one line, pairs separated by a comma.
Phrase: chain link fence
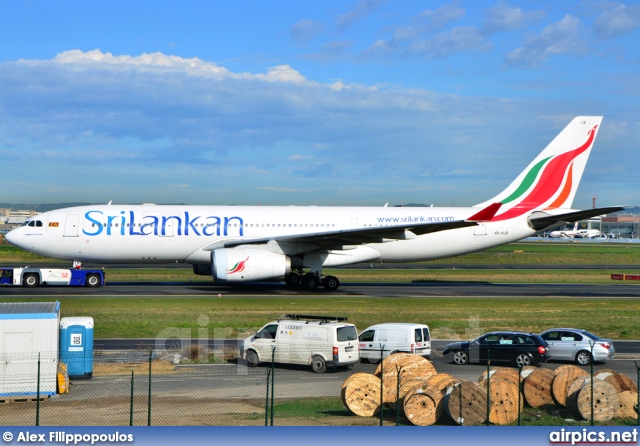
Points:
[[142, 388]]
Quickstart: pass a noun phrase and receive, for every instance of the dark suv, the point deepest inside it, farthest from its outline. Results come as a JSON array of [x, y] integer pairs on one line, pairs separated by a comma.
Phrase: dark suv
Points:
[[501, 347]]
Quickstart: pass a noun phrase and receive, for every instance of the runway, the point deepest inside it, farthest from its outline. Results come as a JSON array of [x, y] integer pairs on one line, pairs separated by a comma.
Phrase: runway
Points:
[[360, 289]]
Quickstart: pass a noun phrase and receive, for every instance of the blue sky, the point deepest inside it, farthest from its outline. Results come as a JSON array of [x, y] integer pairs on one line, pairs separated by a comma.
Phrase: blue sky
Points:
[[324, 103]]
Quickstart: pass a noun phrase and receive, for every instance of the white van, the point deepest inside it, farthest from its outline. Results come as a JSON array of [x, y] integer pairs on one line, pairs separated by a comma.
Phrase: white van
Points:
[[392, 338], [318, 341]]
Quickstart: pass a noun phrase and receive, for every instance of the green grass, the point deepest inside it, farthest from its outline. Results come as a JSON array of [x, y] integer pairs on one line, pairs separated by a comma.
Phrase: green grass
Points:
[[448, 318]]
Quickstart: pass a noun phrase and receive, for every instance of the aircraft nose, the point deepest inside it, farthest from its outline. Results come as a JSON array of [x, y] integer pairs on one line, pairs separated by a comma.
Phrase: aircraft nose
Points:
[[12, 237]]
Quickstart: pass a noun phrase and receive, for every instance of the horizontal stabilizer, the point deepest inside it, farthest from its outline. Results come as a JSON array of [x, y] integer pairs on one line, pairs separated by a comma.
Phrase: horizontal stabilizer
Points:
[[540, 221], [486, 214]]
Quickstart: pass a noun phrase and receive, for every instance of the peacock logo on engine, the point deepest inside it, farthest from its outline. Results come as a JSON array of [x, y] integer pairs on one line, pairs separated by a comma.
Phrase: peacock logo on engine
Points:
[[238, 267]]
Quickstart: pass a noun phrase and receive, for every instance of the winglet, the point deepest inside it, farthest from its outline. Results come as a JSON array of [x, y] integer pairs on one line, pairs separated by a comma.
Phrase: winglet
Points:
[[486, 214]]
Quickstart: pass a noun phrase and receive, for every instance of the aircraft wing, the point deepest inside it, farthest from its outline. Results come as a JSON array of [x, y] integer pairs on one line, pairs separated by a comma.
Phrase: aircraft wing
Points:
[[355, 236], [541, 220]]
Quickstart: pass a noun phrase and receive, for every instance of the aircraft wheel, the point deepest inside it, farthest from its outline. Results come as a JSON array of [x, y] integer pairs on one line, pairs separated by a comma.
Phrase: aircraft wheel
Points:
[[331, 283], [310, 281], [292, 280]]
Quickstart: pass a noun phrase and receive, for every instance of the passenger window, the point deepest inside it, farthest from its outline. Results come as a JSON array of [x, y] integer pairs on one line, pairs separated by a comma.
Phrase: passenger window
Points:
[[505, 340], [493, 339], [551, 336], [418, 335], [347, 334], [525, 340], [571, 337], [367, 336], [269, 332]]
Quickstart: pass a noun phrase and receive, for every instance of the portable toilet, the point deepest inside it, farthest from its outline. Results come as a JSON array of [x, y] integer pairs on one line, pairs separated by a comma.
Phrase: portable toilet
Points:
[[28, 349], [76, 346]]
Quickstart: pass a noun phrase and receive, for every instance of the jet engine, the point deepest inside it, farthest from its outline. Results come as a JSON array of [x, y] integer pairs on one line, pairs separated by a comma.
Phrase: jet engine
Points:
[[248, 265], [202, 270]]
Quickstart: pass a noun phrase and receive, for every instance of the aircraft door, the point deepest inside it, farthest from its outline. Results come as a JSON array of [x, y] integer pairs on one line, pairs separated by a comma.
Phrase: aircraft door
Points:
[[481, 229], [71, 225]]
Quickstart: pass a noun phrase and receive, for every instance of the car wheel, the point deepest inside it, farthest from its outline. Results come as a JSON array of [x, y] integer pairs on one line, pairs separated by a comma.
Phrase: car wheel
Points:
[[252, 359], [31, 280], [93, 280], [318, 365], [523, 360], [583, 357], [460, 357]]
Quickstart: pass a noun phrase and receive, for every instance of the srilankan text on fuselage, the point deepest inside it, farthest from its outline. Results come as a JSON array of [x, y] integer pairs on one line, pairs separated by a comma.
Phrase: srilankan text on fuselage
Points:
[[159, 225], [188, 223]]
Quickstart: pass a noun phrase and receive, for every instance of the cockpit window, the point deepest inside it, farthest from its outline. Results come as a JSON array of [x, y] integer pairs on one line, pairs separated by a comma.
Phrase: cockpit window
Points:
[[33, 223]]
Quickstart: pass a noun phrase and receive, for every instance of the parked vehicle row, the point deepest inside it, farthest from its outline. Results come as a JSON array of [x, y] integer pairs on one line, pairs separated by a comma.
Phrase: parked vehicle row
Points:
[[329, 341], [521, 349]]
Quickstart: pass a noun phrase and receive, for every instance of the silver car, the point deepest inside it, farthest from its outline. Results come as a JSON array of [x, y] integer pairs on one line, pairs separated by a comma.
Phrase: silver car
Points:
[[572, 344]]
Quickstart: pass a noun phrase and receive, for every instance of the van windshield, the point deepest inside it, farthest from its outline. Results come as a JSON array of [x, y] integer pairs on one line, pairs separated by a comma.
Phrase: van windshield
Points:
[[347, 333]]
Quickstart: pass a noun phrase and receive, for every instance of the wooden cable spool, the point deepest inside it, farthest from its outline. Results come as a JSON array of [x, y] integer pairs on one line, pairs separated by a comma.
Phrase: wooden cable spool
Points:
[[564, 376], [406, 387], [423, 405], [388, 362], [538, 387], [605, 400], [466, 403], [620, 382], [571, 399], [504, 401], [628, 405], [442, 381], [361, 394], [409, 367], [598, 372]]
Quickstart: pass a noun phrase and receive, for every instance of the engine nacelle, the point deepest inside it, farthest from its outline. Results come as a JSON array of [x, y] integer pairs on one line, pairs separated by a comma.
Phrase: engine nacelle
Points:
[[202, 270], [248, 265]]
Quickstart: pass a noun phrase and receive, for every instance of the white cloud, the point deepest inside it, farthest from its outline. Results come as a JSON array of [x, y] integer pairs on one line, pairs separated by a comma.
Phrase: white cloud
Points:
[[360, 10], [440, 17], [562, 37], [503, 17], [617, 20], [304, 30], [462, 38]]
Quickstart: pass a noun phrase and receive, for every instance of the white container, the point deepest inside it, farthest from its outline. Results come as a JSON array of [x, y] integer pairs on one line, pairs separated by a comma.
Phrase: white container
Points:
[[28, 334]]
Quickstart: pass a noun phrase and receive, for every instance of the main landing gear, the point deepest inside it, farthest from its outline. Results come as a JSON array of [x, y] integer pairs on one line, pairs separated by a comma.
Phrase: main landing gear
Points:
[[311, 281]]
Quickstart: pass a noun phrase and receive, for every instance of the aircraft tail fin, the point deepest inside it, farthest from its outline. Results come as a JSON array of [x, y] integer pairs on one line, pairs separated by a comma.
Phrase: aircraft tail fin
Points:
[[551, 180]]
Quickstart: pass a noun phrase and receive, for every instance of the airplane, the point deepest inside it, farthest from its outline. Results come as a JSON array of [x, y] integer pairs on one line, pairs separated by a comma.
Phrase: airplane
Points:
[[236, 244], [588, 233], [576, 232], [567, 233]]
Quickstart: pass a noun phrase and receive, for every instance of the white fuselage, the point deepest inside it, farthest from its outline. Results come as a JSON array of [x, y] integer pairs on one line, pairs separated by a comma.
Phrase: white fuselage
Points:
[[169, 234]]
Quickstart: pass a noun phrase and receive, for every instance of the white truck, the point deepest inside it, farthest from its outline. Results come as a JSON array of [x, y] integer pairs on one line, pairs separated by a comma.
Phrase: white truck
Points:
[[33, 276], [389, 338], [317, 341]]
